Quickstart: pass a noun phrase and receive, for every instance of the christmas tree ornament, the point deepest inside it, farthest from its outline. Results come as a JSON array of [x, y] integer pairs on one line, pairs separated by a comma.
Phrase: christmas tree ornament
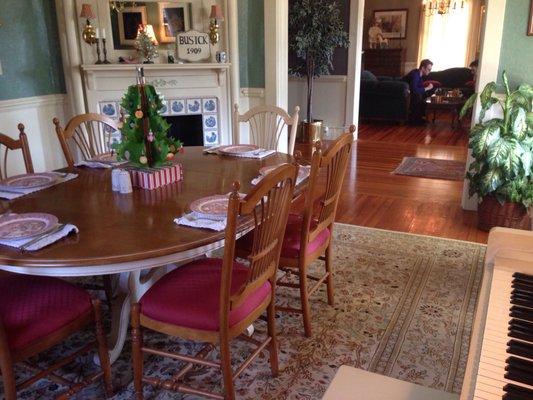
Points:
[[143, 159], [138, 114], [151, 136], [170, 156]]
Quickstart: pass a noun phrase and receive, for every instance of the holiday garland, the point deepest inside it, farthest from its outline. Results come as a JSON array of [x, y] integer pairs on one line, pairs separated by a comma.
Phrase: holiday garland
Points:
[[144, 132]]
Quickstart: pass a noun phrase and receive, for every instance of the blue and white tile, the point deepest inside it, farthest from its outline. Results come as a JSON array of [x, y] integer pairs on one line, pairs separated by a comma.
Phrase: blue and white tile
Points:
[[109, 108], [194, 106], [210, 105], [164, 110], [210, 138], [210, 122], [177, 106]]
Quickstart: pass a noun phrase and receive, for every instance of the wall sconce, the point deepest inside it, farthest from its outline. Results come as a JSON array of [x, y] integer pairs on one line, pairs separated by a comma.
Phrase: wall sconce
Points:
[[216, 15], [89, 33]]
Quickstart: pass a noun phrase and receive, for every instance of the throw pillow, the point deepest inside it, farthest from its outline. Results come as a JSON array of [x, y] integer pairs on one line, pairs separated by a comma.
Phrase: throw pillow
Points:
[[436, 84]]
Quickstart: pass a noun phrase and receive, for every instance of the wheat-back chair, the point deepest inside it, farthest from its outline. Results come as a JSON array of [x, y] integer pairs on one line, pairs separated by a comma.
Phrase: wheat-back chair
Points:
[[266, 125], [12, 144], [90, 133]]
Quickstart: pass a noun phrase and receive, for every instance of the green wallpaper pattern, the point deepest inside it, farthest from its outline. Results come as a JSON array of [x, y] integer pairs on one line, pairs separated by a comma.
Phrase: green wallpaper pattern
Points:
[[251, 43], [29, 49], [516, 55]]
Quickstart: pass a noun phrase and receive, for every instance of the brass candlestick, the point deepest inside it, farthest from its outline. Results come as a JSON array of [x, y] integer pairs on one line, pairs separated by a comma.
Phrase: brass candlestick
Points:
[[99, 61], [105, 52]]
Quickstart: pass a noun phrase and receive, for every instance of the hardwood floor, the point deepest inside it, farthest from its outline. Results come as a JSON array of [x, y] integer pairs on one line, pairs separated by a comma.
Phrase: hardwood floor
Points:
[[372, 196]]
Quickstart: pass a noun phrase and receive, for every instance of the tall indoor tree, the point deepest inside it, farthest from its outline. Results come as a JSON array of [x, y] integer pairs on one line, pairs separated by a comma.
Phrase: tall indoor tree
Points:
[[316, 29]]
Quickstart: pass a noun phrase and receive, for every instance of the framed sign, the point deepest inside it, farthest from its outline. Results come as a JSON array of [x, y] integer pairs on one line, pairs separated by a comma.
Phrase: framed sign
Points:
[[393, 23], [193, 46], [129, 20], [173, 19]]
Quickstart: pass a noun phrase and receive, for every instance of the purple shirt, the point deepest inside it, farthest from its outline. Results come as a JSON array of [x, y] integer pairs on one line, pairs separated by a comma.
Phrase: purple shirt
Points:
[[416, 85]]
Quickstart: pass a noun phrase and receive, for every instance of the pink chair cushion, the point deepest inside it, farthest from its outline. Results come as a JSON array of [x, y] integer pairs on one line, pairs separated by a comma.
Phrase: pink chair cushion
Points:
[[189, 296], [33, 307], [291, 242]]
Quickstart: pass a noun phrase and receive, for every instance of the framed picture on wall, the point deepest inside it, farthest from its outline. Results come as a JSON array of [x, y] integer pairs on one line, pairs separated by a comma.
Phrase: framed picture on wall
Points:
[[173, 19], [393, 23], [530, 23], [129, 20]]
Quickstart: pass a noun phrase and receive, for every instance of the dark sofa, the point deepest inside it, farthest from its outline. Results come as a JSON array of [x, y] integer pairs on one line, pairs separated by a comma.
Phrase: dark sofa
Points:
[[383, 98], [453, 78]]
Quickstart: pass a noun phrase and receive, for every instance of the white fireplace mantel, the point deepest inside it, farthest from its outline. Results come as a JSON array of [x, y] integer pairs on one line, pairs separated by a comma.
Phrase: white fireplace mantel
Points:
[[187, 89]]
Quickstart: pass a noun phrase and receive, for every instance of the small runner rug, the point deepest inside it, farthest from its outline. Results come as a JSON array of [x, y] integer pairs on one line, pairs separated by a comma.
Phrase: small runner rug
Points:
[[404, 306], [431, 168]]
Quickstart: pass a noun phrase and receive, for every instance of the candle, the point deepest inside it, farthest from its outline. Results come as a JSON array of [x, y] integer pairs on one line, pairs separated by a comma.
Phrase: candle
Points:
[[97, 33], [103, 33]]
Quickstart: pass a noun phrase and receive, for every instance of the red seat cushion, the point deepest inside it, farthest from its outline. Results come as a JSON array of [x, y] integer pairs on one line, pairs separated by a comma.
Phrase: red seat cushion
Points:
[[189, 296], [436, 84], [33, 307], [291, 241]]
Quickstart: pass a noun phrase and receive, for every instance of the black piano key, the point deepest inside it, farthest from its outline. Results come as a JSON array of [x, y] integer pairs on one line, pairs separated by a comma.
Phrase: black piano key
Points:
[[520, 324], [514, 392], [520, 294], [521, 302], [522, 313], [519, 365], [523, 277], [521, 349], [517, 375], [525, 288]]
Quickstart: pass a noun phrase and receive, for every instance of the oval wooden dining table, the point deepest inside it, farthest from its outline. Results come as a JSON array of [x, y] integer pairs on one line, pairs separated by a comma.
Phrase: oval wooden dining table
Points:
[[129, 233]]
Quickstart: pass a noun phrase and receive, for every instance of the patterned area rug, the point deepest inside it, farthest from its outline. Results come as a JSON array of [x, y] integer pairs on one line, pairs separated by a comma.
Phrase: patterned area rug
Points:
[[404, 308], [431, 168]]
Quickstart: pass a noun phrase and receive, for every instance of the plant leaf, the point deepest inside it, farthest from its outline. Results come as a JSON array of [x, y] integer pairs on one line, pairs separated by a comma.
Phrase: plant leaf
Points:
[[526, 91], [469, 104], [486, 95], [518, 123], [499, 151], [506, 82], [483, 136], [490, 181]]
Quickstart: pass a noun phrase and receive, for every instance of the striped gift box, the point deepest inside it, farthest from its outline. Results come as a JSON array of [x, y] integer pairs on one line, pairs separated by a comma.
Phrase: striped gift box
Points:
[[153, 178]]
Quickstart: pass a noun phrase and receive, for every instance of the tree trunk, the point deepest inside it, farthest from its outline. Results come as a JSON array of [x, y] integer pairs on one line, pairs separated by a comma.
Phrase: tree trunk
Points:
[[310, 74]]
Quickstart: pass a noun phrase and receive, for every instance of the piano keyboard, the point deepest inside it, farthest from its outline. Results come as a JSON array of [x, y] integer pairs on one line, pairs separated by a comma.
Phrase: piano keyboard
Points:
[[505, 369]]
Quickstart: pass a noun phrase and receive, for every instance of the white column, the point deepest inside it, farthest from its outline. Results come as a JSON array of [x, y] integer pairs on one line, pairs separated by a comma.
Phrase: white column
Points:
[[277, 55], [487, 72], [70, 51], [355, 53], [233, 29]]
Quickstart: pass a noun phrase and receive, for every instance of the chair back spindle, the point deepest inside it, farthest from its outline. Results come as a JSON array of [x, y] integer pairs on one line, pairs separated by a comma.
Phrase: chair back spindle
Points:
[[90, 133], [267, 205], [7, 144], [266, 125], [333, 162]]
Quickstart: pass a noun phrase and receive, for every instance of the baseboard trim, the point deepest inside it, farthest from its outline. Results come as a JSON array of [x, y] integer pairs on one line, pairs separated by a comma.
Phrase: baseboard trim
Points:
[[253, 92], [322, 78], [30, 102]]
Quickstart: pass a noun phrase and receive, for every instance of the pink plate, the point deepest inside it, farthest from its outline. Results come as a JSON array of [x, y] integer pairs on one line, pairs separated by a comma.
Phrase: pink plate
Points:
[[22, 226], [237, 149], [30, 181], [303, 172], [212, 205]]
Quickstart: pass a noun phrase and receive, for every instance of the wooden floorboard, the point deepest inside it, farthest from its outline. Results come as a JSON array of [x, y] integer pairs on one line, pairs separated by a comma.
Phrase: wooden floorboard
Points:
[[374, 197]]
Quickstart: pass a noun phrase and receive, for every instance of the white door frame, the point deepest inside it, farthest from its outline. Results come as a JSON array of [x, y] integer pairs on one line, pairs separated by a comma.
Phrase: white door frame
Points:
[[489, 64], [355, 53]]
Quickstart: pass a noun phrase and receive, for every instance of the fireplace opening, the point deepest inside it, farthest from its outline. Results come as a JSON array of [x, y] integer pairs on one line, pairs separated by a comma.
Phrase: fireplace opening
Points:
[[187, 128]]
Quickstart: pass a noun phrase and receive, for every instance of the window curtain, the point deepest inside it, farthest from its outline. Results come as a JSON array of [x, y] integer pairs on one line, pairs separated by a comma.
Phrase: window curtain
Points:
[[450, 40]]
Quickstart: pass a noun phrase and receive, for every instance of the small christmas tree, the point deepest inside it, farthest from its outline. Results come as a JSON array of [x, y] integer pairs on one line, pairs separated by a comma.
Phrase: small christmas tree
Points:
[[144, 132], [146, 43]]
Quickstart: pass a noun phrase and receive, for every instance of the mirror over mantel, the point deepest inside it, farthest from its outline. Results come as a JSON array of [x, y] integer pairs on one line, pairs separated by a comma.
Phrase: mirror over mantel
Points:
[[120, 19]]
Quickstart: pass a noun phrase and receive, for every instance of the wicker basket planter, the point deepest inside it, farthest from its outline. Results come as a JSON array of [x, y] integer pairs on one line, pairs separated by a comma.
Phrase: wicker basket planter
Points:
[[510, 215]]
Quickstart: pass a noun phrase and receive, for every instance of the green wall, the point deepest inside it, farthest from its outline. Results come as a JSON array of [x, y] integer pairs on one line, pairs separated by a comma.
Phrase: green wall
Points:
[[251, 43], [29, 49], [516, 55]]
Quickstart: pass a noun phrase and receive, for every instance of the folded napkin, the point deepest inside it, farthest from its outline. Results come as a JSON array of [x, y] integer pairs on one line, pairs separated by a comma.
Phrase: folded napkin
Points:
[[259, 153], [42, 241], [7, 192], [212, 150], [199, 220], [99, 164], [301, 177]]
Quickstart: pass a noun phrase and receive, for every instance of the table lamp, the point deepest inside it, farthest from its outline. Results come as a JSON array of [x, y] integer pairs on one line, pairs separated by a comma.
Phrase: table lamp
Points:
[[89, 33], [216, 15]]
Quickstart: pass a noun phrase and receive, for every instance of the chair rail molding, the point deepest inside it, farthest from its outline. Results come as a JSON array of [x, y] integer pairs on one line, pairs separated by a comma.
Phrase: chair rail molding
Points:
[[35, 101]]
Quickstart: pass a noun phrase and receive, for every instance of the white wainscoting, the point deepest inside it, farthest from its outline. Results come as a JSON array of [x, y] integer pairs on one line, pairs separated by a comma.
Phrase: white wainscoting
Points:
[[329, 99], [36, 113]]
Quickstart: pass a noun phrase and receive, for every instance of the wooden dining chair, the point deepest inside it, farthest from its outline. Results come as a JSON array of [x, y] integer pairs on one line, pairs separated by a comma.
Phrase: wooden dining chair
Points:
[[90, 133], [37, 313], [266, 124], [215, 300], [12, 144], [308, 235]]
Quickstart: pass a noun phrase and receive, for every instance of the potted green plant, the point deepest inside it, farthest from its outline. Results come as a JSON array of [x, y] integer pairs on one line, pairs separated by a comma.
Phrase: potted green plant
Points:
[[316, 29], [501, 174]]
